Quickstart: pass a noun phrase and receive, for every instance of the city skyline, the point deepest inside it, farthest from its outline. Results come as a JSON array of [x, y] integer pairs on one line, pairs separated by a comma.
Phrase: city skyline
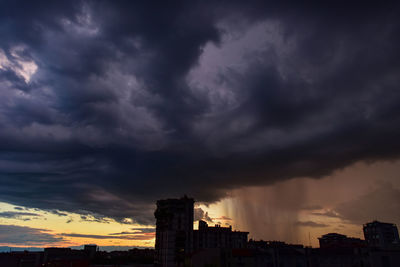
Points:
[[179, 244], [281, 120]]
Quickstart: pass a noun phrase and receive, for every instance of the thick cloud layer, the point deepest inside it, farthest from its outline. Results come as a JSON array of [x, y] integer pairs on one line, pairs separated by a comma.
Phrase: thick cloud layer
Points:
[[107, 107], [13, 234], [382, 203]]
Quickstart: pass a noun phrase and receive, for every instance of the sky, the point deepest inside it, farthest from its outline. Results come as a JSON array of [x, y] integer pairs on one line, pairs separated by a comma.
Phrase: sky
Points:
[[281, 119]]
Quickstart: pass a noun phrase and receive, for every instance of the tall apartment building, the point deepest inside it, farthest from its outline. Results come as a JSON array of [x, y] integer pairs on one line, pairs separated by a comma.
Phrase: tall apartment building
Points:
[[382, 235], [174, 231]]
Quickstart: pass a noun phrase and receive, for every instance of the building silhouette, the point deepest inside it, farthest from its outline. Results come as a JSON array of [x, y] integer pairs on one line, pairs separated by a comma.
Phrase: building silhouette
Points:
[[334, 240], [178, 244], [67, 257], [381, 235], [218, 237], [90, 250], [174, 231]]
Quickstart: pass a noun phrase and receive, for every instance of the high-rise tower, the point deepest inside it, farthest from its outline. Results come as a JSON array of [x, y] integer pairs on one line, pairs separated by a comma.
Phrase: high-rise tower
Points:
[[174, 231]]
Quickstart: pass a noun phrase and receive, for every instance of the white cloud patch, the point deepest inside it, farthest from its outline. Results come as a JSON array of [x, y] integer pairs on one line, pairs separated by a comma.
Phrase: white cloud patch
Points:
[[23, 67]]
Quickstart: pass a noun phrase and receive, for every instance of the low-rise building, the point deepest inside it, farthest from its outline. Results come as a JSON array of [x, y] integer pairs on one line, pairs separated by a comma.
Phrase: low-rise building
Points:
[[218, 237], [335, 240]]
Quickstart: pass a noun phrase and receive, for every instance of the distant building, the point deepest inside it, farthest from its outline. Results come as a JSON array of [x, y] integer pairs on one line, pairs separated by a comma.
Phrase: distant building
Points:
[[67, 257], [261, 244], [174, 231], [381, 235], [334, 240], [21, 258], [218, 237], [277, 253], [90, 250], [340, 257], [61, 257]]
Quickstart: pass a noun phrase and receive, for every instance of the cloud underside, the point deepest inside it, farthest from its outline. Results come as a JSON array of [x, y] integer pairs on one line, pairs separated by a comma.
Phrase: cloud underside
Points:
[[23, 235], [147, 236], [382, 204], [19, 215], [107, 107], [310, 224], [28, 236]]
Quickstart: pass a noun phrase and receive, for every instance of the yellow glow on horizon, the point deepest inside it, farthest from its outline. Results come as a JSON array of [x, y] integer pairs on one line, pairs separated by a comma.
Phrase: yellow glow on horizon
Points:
[[221, 212], [73, 224]]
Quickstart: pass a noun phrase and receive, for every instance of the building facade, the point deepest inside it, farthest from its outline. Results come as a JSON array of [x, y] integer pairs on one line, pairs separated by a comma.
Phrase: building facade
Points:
[[381, 235], [174, 231]]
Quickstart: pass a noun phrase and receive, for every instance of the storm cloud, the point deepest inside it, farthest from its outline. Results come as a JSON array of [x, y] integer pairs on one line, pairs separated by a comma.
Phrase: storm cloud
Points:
[[310, 224], [106, 107], [382, 204], [18, 215], [13, 234], [128, 236]]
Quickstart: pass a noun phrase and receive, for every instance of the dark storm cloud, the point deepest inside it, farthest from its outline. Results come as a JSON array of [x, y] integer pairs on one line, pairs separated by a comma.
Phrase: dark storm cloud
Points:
[[310, 224], [58, 213], [131, 101], [136, 231], [146, 236], [381, 204], [18, 215], [144, 230], [91, 218], [18, 235], [12, 214]]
